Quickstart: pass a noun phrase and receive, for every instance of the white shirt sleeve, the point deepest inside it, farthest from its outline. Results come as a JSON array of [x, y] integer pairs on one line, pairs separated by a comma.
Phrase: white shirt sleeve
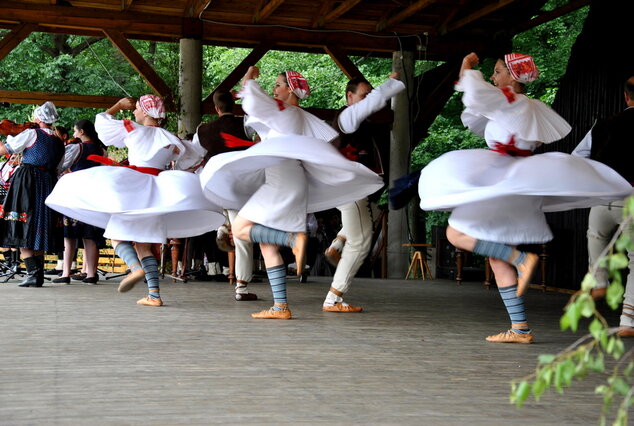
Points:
[[111, 131], [352, 116], [71, 154], [284, 119], [20, 142], [193, 155], [585, 146], [484, 98]]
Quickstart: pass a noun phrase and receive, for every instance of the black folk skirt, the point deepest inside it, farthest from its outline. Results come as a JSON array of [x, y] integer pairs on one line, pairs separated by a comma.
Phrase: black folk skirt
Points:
[[25, 221]]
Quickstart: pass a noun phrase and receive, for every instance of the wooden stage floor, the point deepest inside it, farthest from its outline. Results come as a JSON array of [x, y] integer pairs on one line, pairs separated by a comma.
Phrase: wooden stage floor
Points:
[[87, 355]]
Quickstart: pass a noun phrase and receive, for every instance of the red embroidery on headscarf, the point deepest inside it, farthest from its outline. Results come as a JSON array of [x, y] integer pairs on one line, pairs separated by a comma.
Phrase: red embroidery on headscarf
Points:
[[510, 149], [235, 142], [508, 92], [280, 105], [128, 125]]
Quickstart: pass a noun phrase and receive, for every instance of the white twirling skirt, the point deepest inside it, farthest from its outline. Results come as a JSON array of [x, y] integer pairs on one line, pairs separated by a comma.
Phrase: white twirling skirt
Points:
[[501, 198], [134, 206], [278, 181]]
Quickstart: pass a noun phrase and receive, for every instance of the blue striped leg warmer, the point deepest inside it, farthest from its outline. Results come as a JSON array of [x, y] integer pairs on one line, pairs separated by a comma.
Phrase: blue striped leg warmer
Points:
[[514, 307], [277, 279], [150, 267], [127, 253], [263, 234], [499, 251]]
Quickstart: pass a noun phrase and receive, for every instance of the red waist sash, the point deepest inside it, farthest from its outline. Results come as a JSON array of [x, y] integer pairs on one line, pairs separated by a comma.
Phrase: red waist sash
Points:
[[510, 149], [109, 162]]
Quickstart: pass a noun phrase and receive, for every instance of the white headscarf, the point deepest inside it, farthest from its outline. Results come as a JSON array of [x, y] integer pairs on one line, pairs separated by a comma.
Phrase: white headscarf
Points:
[[46, 113]]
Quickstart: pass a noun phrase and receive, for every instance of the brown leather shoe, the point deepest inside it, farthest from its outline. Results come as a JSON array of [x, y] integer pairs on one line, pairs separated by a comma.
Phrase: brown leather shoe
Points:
[[241, 297], [299, 250], [340, 307], [525, 272], [273, 314], [130, 280], [626, 331], [598, 293], [148, 301], [511, 337]]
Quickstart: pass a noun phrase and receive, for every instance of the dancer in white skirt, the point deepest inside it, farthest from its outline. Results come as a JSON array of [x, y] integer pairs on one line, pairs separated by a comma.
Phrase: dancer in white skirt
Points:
[[142, 202], [498, 196], [275, 183]]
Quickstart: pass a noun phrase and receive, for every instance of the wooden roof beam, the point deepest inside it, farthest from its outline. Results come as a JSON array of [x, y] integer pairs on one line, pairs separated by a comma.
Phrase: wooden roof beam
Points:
[[59, 99], [138, 63], [479, 13], [343, 61], [550, 15], [195, 8], [266, 11], [343, 7], [238, 72], [15, 37], [318, 19], [404, 14]]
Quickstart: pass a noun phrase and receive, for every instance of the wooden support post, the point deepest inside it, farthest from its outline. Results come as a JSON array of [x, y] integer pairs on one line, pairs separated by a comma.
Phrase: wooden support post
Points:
[[190, 85], [403, 63]]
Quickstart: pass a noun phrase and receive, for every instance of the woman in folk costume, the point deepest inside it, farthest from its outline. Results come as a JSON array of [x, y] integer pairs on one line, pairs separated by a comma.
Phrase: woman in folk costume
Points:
[[498, 196], [275, 183], [25, 221], [75, 159], [142, 202]]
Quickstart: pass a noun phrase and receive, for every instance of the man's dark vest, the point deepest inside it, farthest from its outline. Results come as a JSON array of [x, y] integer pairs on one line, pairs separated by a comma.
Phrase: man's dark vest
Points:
[[210, 139], [369, 145], [613, 143]]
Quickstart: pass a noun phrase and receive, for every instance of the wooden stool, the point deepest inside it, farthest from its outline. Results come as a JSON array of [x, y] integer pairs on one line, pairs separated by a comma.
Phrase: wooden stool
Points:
[[419, 263]]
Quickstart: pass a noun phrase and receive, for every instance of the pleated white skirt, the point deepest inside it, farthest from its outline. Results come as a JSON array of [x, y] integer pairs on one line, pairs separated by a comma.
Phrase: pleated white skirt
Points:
[[502, 198], [134, 206], [278, 181]]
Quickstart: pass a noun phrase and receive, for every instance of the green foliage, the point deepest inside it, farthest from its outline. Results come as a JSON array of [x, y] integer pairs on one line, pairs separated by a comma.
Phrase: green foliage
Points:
[[550, 45], [588, 353]]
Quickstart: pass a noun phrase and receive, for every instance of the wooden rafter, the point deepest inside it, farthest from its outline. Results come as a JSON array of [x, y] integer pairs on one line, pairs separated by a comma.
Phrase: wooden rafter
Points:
[[15, 37], [194, 8], [238, 72], [479, 13], [59, 99], [404, 14], [441, 27], [550, 15], [318, 19], [136, 60], [165, 28], [343, 61], [343, 7], [263, 13]]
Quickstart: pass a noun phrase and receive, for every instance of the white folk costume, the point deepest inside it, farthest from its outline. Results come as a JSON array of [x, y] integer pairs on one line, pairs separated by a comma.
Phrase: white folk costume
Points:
[[145, 203], [278, 181], [500, 194]]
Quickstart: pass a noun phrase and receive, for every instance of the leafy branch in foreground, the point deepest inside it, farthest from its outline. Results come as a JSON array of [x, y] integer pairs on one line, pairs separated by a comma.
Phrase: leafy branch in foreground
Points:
[[589, 352]]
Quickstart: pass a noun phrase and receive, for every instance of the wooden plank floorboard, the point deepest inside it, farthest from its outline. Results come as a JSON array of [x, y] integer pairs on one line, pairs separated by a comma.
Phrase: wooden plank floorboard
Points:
[[87, 355]]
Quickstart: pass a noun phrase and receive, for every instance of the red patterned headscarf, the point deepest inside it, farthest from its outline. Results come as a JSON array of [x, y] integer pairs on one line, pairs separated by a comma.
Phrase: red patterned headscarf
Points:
[[521, 67], [153, 106], [298, 84]]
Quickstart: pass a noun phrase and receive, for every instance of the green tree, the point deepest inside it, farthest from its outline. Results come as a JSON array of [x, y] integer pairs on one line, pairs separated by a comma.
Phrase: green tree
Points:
[[591, 352]]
